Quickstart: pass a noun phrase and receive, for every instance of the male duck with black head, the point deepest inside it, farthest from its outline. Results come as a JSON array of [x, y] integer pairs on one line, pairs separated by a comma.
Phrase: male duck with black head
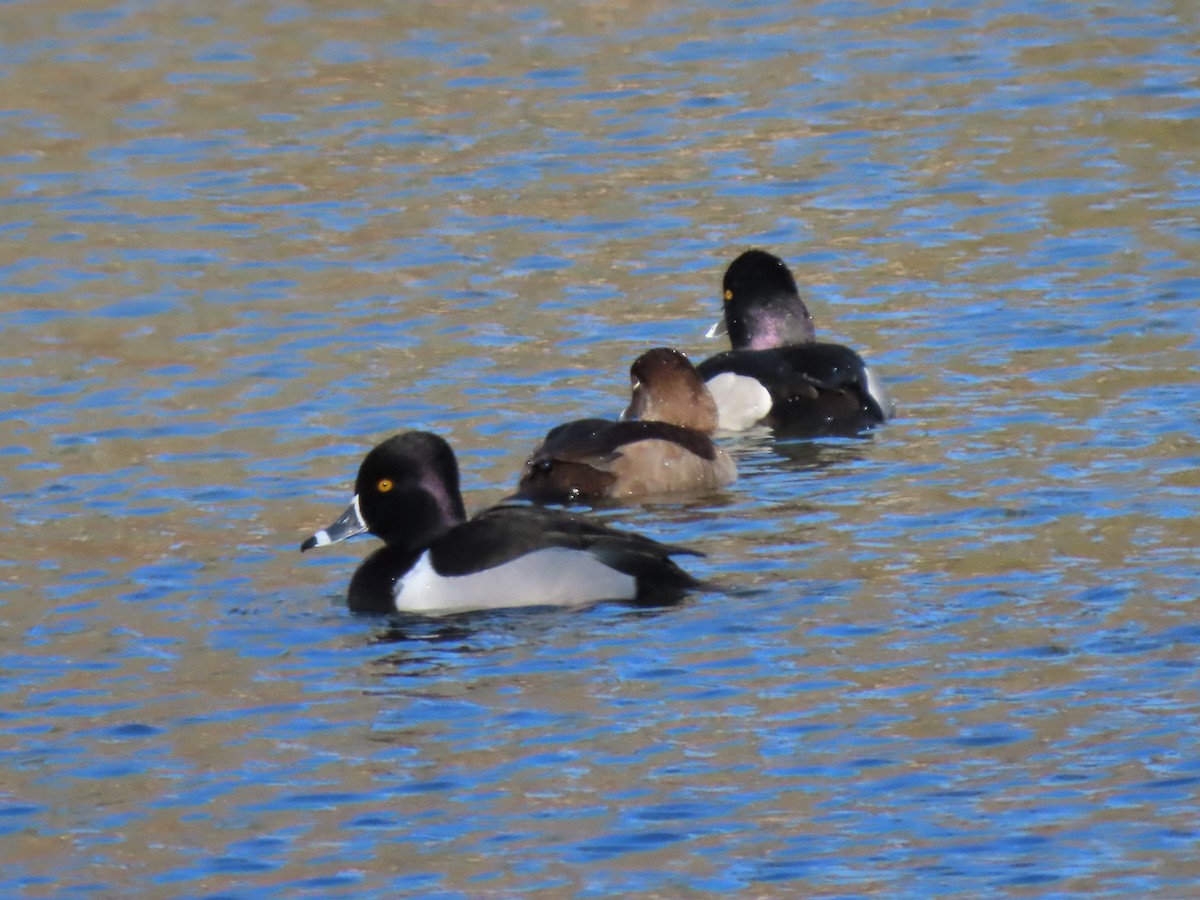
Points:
[[435, 560], [777, 373], [660, 445]]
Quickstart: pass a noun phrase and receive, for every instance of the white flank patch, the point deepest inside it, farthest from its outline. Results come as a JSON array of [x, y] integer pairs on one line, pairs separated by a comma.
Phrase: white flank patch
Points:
[[741, 401], [555, 576], [879, 392]]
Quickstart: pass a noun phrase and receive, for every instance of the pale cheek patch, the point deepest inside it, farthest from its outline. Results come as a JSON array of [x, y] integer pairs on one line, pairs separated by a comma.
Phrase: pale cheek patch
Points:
[[741, 401], [555, 576]]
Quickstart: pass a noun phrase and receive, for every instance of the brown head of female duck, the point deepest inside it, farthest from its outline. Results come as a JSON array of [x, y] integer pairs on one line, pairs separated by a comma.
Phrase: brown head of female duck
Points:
[[661, 444]]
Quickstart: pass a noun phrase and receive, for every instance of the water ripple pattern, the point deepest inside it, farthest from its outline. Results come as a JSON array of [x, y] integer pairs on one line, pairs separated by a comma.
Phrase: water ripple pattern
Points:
[[241, 243]]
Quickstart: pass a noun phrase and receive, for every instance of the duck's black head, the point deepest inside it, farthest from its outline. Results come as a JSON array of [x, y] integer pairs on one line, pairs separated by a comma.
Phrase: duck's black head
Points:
[[763, 308], [406, 493], [667, 388], [408, 485]]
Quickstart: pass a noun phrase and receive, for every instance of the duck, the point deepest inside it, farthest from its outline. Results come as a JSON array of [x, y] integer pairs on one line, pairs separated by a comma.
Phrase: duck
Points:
[[661, 443], [434, 560], [777, 373]]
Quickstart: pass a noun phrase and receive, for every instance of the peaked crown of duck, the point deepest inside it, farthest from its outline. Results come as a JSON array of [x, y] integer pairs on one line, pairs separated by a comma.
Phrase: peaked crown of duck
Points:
[[407, 490], [667, 388], [763, 308]]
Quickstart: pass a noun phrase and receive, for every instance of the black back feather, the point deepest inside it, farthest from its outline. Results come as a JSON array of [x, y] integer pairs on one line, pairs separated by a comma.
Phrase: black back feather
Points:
[[815, 387]]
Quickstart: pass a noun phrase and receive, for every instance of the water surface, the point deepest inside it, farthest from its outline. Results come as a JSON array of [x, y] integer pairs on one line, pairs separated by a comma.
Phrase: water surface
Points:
[[239, 246]]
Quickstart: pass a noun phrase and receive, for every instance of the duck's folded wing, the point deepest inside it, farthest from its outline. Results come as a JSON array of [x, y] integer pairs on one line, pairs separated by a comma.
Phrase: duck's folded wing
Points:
[[801, 368], [588, 441], [801, 372], [598, 442], [504, 533]]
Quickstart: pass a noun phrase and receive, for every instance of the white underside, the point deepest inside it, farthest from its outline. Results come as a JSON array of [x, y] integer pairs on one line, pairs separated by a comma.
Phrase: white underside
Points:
[[742, 401], [879, 392], [555, 576]]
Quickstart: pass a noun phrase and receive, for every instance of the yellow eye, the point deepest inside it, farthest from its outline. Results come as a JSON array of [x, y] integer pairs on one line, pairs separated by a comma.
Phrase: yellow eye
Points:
[[729, 295], [385, 485]]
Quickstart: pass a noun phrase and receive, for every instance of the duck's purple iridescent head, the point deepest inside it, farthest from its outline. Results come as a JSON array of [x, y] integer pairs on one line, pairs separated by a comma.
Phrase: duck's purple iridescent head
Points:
[[763, 308]]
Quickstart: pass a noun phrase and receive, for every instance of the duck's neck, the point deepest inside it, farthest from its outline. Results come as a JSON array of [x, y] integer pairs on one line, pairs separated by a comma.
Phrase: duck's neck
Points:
[[373, 587]]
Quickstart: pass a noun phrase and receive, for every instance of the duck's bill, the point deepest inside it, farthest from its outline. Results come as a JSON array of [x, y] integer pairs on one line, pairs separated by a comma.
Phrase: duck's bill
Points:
[[718, 329], [347, 525], [630, 412]]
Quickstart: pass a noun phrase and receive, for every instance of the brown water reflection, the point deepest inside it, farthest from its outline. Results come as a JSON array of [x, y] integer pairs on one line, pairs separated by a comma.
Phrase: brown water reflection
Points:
[[240, 245]]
